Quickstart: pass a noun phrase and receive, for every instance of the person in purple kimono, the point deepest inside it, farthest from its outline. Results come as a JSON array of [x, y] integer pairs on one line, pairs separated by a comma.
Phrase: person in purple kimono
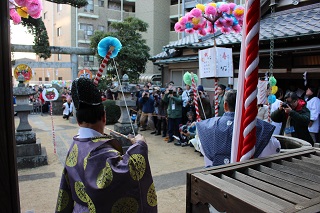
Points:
[[97, 176]]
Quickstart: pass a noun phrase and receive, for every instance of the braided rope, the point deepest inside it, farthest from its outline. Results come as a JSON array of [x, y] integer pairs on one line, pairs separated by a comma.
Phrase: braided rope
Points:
[[216, 98], [53, 132], [248, 121], [194, 89], [102, 67]]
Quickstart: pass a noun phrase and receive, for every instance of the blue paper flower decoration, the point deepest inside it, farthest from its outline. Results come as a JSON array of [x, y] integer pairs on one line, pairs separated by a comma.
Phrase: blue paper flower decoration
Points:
[[271, 99], [106, 43]]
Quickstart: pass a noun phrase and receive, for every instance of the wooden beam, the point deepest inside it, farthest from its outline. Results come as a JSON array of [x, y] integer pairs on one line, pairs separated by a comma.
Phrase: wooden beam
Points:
[[9, 189]]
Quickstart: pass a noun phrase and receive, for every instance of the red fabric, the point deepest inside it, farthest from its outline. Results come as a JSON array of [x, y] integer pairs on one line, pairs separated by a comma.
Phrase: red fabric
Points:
[[300, 105], [41, 98]]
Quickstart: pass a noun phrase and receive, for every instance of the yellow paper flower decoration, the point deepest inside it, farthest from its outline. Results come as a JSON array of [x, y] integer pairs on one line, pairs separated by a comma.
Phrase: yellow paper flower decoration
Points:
[[23, 12], [195, 20], [238, 11], [201, 7], [213, 4], [274, 90]]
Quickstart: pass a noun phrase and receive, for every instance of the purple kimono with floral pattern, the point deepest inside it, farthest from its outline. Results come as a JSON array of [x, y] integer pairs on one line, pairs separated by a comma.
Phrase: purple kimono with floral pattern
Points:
[[97, 178]]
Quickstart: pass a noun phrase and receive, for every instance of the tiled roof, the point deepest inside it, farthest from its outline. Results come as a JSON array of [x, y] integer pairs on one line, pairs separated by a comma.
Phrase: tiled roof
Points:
[[289, 23]]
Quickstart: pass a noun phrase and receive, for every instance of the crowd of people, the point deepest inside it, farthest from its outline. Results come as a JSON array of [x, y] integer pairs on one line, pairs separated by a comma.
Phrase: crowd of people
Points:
[[170, 112]]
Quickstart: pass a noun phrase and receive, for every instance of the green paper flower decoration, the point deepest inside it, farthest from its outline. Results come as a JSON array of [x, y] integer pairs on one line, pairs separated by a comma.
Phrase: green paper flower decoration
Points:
[[187, 78]]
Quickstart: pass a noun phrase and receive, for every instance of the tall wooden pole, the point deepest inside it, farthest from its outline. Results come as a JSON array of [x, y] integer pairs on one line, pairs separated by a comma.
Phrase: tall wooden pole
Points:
[[9, 190]]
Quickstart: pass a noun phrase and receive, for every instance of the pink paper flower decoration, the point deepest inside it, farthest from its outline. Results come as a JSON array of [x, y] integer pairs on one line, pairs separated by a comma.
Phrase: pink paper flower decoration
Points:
[[22, 3], [225, 30], [15, 16], [224, 8], [236, 28], [189, 31], [228, 22], [202, 32], [183, 20], [205, 19], [232, 6], [210, 10], [195, 12], [34, 8], [178, 27]]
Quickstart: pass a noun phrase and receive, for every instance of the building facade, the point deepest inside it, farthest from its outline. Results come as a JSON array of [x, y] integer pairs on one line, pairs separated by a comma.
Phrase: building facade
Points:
[[296, 47], [73, 27]]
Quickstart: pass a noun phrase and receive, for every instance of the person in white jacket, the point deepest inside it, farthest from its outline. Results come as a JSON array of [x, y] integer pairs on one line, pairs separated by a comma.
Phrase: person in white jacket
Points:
[[313, 104], [67, 108]]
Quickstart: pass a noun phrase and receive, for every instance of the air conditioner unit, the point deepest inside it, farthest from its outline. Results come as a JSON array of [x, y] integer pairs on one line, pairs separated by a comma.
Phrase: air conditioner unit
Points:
[[89, 32]]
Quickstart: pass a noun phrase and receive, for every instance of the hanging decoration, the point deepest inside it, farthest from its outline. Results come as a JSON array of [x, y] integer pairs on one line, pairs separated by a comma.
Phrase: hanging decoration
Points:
[[305, 78], [51, 94], [272, 82], [24, 9], [108, 47], [208, 18], [24, 70]]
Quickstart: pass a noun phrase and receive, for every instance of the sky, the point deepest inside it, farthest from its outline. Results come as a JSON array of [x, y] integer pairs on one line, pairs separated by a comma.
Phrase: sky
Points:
[[20, 35]]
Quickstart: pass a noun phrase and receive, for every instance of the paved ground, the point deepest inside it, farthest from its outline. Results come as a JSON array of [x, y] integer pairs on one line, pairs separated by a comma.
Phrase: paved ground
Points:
[[39, 186]]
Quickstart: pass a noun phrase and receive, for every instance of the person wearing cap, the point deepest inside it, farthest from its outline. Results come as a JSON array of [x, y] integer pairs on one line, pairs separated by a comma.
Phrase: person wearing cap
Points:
[[313, 104], [174, 111], [147, 101], [98, 176]]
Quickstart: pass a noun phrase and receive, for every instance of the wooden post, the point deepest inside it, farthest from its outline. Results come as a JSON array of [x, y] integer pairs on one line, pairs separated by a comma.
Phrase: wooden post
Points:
[[9, 189]]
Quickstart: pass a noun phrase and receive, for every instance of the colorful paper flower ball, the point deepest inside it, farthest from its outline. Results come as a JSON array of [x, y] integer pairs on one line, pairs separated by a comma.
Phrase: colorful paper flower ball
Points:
[[271, 99], [106, 43], [187, 78], [274, 90], [272, 81]]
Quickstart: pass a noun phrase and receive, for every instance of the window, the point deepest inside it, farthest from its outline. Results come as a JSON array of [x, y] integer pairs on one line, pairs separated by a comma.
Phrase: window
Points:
[[59, 78], [44, 15], [114, 6], [46, 79], [177, 78], [101, 28], [40, 78], [89, 6], [101, 3], [59, 31], [88, 30], [59, 7], [88, 60], [59, 57]]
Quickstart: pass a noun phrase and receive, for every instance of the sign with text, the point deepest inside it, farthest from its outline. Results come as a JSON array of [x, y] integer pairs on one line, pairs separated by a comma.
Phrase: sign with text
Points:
[[215, 62]]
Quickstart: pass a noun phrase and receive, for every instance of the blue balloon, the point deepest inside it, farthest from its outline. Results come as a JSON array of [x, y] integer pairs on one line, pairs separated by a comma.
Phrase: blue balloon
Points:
[[106, 43]]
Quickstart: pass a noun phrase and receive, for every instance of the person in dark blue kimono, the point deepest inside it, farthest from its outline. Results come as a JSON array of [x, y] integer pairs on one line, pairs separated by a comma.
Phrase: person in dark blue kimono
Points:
[[97, 176]]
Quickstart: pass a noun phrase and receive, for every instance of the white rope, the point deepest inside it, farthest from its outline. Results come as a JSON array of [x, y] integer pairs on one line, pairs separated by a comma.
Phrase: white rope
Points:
[[124, 98]]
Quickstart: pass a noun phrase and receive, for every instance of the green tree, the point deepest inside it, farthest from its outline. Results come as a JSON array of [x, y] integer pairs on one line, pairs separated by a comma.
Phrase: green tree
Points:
[[36, 27], [133, 56]]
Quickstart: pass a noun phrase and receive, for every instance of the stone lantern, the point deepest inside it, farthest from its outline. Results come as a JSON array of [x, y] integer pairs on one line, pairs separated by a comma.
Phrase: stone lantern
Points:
[[29, 152], [124, 125]]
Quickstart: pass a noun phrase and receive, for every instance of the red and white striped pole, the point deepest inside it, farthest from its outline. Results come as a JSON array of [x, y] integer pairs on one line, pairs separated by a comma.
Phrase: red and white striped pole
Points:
[[247, 139], [53, 133], [103, 66], [195, 100], [216, 97]]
